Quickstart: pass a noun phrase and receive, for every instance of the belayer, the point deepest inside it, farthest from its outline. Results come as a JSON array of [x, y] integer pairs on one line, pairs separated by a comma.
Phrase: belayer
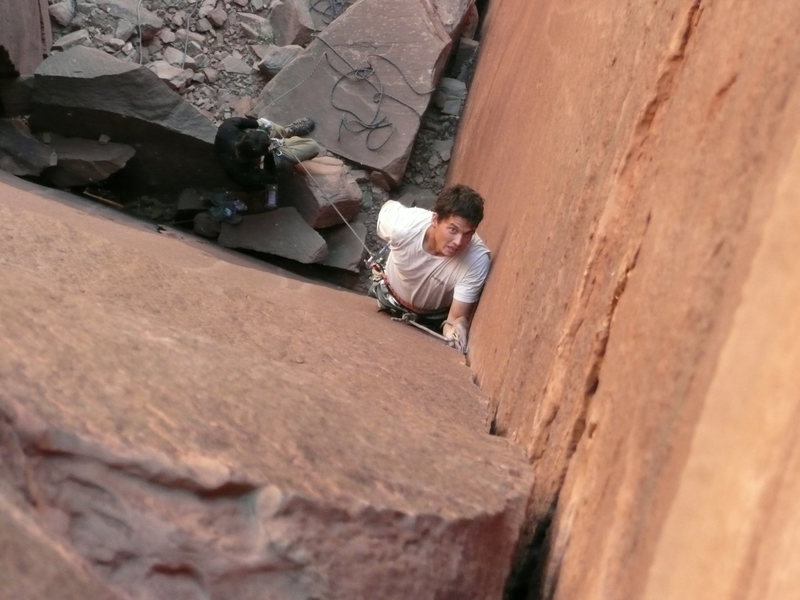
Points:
[[252, 151]]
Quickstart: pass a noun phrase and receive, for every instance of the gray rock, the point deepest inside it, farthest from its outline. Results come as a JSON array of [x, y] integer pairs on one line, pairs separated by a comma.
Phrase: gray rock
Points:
[[82, 162], [25, 35], [217, 17], [132, 11], [63, 12], [320, 82], [291, 22], [205, 226], [15, 95], [443, 148], [175, 77], [256, 27], [76, 38], [323, 191], [124, 29], [464, 58], [235, 64], [345, 246], [203, 25], [454, 14], [21, 153], [416, 196], [323, 13], [192, 199], [276, 58], [450, 96], [282, 232], [179, 58], [84, 93]]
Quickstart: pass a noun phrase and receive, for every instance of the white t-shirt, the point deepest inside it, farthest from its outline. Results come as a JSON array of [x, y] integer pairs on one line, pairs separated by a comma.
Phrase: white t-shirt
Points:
[[423, 280]]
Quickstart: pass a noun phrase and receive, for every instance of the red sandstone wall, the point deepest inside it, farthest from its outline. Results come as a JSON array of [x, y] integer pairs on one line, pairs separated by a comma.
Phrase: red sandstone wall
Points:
[[25, 33], [638, 334]]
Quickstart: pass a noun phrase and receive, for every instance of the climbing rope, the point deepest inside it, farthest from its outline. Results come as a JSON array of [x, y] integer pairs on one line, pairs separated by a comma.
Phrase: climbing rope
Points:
[[371, 257], [196, 3], [369, 75], [334, 9]]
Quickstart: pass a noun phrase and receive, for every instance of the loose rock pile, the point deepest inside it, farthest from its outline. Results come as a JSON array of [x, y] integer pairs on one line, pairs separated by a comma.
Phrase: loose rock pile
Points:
[[222, 56]]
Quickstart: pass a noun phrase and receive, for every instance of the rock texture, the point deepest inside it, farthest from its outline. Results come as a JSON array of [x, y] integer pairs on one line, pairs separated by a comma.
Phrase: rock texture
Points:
[[26, 36], [190, 424], [379, 85], [644, 220], [323, 191], [34, 564], [83, 92]]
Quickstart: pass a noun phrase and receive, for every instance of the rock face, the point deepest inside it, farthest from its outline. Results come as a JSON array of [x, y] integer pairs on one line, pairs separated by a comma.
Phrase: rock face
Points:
[[83, 92], [646, 278], [181, 422], [20, 152], [26, 36], [81, 162], [323, 191], [34, 564], [281, 232], [378, 85]]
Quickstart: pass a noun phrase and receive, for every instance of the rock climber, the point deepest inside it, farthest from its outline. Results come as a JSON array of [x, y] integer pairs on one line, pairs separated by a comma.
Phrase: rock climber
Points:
[[252, 150], [437, 264]]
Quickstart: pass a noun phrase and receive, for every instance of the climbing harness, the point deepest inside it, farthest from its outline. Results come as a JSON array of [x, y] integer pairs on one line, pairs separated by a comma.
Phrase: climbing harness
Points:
[[379, 288]]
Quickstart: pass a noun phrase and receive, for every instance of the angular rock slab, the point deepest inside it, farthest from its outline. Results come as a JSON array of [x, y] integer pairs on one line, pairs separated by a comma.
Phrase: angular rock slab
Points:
[[345, 246], [82, 162], [323, 192], [86, 93], [454, 14], [291, 22], [281, 232], [20, 152], [35, 566], [196, 426], [26, 35], [366, 80]]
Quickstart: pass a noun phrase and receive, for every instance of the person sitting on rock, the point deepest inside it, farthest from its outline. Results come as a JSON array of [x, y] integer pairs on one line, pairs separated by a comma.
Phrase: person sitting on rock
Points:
[[437, 264], [252, 150]]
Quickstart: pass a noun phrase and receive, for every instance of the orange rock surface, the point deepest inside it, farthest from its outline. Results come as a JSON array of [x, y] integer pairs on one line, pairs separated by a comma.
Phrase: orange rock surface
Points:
[[638, 332]]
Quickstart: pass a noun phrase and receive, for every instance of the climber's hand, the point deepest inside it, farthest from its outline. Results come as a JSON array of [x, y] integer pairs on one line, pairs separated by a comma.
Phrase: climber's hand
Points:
[[455, 333]]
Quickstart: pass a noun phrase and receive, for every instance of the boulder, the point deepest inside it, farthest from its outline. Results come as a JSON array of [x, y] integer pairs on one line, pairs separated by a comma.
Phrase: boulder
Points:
[[455, 15], [15, 96], [255, 26], [175, 77], [291, 22], [450, 96], [274, 58], [189, 422], [35, 565], [20, 152], [82, 161], [132, 11], [367, 97], [345, 246], [80, 37], [86, 93], [462, 64], [281, 232], [63, 12], [323, 12], [323, 191], [26, 36]]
